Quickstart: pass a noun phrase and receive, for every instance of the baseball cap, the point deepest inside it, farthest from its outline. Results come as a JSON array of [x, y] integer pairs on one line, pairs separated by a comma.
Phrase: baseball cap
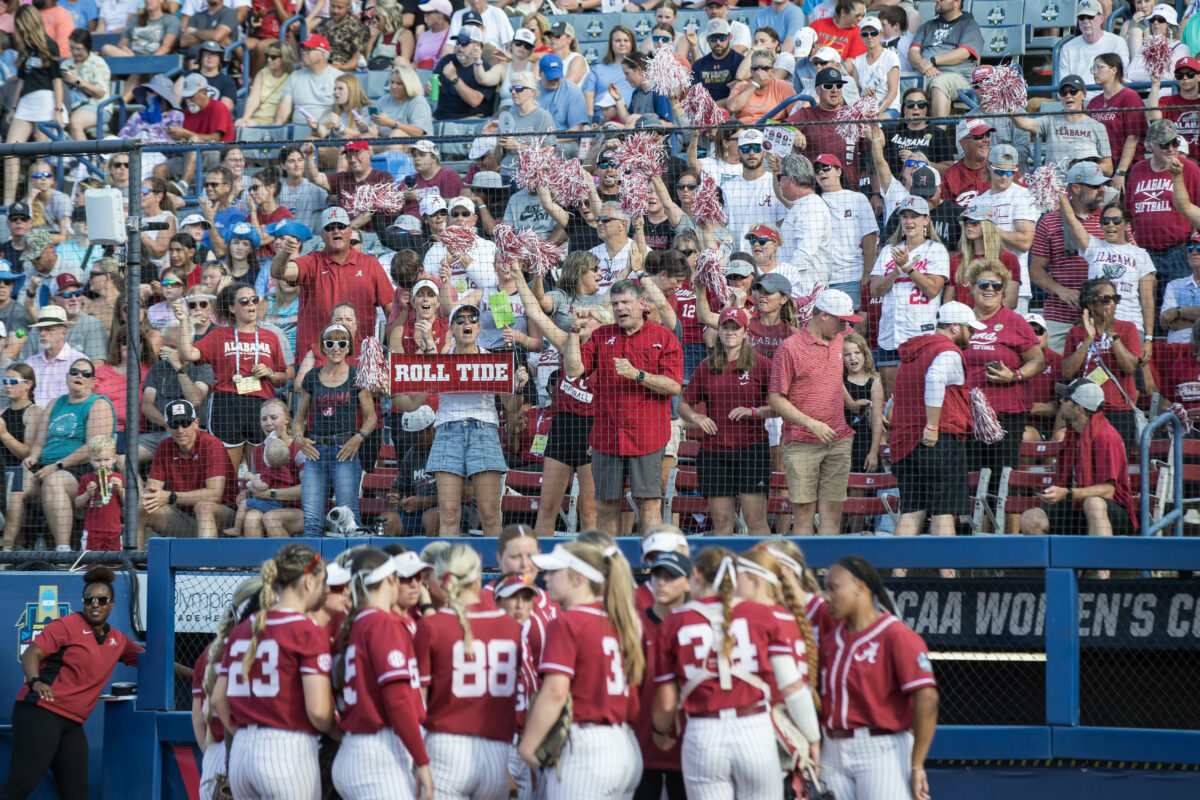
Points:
[[925, 182], [524, 35], [828, 159], [334, 214], [19, 209], [425, 146], [1162, 131], [461, 202], [472, 17], [605, 100], [443, 7], [317, 42], [956, 313], [837, 303], [562, 29], [467, 35], [336, 574], [773, 282], [480, 146], [829, 75], [190, 219], [65, 281], [422, 417], [764, 231], [406, 223], [512, 583], [357, 145], [972, 127], [870, 22], [750, 136], [1187, 62], [738, 268], [982, 73], [736, 314], [1003, 155], [803, 42], [432, 204], [1082, 392], [1036, 319], [648, 121], [1089, 173], [180, 411], [663, 542], [786, 62], [828, 55], [212, 47], [977, 212], [679, 565], [551, 66], [487, 179], [289, 227], [1073, 81], [408, 564], [1166, 12], [717, 27], [1088, 8], [193, 84], [562, 558], [915, 204], [35, 244]]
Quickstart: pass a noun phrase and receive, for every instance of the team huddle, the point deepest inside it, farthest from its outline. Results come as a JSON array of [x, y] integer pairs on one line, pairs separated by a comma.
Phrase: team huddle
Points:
[[388, 674]]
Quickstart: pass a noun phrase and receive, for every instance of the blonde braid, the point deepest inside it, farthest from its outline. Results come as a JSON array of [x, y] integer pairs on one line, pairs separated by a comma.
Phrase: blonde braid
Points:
[[810, 641], [463, 566], [266, 599]]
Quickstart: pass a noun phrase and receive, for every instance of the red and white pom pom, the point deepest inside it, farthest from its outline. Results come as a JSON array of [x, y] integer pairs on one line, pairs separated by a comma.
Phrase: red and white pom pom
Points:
[[806, 302], [372, 366], [1159, 55], [1046, 186], [458, 239], [701, 109], [570, 184], [635, 194], [642, 152], [706, 205], [667, 75], [535, 165], [545, 256], [854, 117], [527, 248], [1178, 410], [710, 273], [1003, 91], [987, 424], [386, 198]]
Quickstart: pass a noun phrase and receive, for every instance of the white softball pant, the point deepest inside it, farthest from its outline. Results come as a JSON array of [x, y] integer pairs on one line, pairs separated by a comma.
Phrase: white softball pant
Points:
[[467, 767], [373, 766], [866, 767], [598, 762], [212, 765], [273, 764], [521, 774], [731, 757]]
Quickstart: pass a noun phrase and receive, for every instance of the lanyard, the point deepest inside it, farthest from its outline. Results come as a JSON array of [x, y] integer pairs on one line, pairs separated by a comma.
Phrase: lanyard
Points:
[[237, 351]]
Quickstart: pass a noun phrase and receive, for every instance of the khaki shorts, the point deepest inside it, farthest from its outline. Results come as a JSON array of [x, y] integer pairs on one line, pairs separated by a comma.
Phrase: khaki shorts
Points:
[[182, 525], [949, 84], [672, 448], [817, 471]]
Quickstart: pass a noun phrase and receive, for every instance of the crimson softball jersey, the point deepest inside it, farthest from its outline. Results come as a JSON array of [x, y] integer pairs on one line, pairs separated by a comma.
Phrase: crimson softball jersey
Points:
[[543, 606], [643, 727], [78, 663], [533, 637], [583, 645], [215, 726], [685, 647], [643, 598], [866, 676], [272, 695], [470, 694]]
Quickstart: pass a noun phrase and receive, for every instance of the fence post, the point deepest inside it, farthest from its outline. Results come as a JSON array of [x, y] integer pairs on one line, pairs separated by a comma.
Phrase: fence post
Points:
[[1062, 646], [156, 667], [133, 333]]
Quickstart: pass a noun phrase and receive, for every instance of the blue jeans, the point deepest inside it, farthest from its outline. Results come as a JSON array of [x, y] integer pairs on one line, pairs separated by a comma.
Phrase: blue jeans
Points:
[[1168, 265], [314, 486]]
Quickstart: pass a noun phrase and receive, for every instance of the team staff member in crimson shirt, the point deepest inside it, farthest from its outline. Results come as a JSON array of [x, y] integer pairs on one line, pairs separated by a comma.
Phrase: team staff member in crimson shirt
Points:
[[1157, 226], [875, 674], [65, 668], [1043, 411], [634, 366], [205, 119], [329, 277]]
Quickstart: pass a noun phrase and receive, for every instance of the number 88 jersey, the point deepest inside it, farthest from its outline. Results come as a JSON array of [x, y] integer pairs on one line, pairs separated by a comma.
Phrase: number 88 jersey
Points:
[[271, 694], [471, 694]]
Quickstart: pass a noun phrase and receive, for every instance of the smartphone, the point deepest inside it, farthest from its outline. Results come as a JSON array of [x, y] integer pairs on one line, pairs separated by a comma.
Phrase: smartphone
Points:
[[372, 110], [410, 181], [995, 364]]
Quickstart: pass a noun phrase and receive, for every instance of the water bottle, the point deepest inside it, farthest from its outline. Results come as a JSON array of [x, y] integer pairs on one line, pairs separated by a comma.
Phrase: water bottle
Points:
[[435, 85]]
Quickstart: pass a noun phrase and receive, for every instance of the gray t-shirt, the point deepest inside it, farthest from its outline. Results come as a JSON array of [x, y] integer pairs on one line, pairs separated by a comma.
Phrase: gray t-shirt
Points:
[[204, 21], [306, 202], [87, 335], [15, 317], [939, 36], [145, 40], [565, 304], [165, 383], [314, 93], [513, 121], [55, 211], [1072, 139], [413, 111], [524, 211]]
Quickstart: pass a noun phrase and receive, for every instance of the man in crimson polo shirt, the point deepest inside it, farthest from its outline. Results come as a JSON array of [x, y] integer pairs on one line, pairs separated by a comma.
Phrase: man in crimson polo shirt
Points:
[[1091, 492], [190, 471], [342, 185], [635, 367], [806, 391], [205, 120], [330, 277], [969, 176]]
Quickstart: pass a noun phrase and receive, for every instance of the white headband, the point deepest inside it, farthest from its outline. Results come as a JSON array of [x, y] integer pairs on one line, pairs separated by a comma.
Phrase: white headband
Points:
[[562, 558], [787, 561], [726, 565], [758, 570], [380, 573]]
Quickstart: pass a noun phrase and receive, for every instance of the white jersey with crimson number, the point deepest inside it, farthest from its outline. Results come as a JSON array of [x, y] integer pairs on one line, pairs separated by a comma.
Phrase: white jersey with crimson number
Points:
[[583, 645], [866, 677]]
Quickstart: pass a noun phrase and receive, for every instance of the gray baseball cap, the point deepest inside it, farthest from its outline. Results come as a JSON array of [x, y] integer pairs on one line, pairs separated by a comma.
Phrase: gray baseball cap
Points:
[[1004, 156], [773, 282], [1087, 172]]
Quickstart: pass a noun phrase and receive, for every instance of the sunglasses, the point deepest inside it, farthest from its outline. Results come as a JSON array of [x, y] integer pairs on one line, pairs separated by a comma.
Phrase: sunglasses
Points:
[[1070, 91], [718, 37], [750, 148], [336, 344], [1038, 330], [688, 252], [829, 87], [1112, 220], [339, 589], [177, 424], [213, 185], [145, 192], [1004, 173], [912, 162], [248, 301], [1187, 73], [72, 294], [197, 304], [983, 137], [1107, 299], [825, 167], [172, 282], [994, 286], [762, 67], [690, 187], [916, 104], [516, 89], [336, 226], [1193, 248], [816, 62], [1085, 17], [12, 381], [356, 242], [7, 282], [461, 214], [75, 372], [466, 319], [525, 45], [603, 220], [660, 39], [605, 164], [867, 33], [759, 240], [271, 56], [442, 213], [120, 165], [96, 600], [42, 175]]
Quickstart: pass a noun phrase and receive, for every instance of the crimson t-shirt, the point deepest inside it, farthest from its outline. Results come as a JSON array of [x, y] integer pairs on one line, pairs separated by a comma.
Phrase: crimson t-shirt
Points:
[[1006, 336], [1148, 199], [1121, 125], [446, 184], [733, 388], [962, 185], [102, 515], [1188, 120], [231, 353], [767, 338], [1101, 365], [212, 118]]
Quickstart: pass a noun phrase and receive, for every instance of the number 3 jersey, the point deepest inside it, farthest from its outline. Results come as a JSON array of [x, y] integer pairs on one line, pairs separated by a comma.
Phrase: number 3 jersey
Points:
[[582, 644], [472, 691], [271, 694]]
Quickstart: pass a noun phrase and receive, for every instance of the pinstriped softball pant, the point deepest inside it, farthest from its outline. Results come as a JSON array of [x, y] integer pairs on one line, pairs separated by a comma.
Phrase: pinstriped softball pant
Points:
[[212, 765], [734, 757], [467, 767], [521, 775], [373, 766], [598, 762], [273, 764], [867, 767]]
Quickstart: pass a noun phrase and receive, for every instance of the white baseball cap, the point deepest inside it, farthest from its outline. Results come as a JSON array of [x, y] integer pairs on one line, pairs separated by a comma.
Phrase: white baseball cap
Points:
[[956, 313], [786, 62], [440, 6], [421, 418], [837, 303], [482, 145], [750, 136], [803, 42], [1036, 319], [431, 204], [663, 542]]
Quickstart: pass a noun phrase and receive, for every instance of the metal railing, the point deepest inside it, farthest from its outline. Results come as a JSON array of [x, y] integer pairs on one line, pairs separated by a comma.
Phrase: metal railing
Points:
[[1173, 517]]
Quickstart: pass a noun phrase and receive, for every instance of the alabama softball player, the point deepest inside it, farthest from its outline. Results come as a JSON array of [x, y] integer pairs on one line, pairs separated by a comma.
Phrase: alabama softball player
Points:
[[593, 653], [662, 538], [382, 749], [760, 578], [803, 584], [470, 657], [514, 551], [876, 685], [517, 596], [274, 693], [210, 733], [715, 654]]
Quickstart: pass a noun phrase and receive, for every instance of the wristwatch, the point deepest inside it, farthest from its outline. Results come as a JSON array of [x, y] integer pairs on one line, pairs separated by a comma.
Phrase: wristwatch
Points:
[[1122, 172], [173, 498], [933, 61], [641, 376], [271, 494]]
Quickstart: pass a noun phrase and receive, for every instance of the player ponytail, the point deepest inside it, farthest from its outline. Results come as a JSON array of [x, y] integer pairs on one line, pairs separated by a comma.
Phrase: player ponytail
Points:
[[364, 561], [716, 566], [243, 604], [791, 558], [865, 571], [458, 568], [786, 595], [617, 592], [290, 564]]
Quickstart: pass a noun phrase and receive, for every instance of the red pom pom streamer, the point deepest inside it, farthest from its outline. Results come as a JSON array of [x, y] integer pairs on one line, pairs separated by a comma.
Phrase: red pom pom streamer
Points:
[[987, 425], [635, 194], [706, 205], [1046, 186], [806, 302], [1178, 410], [642, 152], [1003, 91], [570, 184], [372, 366], [387, 198], [711, 275], [1159, 55], [701, 109], [526, 247], [458, 239], [854, 117], [535, 165], [666, 74]]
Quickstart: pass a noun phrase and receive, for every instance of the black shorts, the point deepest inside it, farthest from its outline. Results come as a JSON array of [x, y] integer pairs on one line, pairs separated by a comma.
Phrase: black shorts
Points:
[[724, 473], [1004, 453], [568, 439], [1066, 520], [236, 419], [934, 479]]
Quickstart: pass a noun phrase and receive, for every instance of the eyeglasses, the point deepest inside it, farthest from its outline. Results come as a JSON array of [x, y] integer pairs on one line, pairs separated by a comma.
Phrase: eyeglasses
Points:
[[916, 104], [1004, 173], [762, 67], [688, 252], [171, 282], [826, 167], [912, 162], [336, 344], [718, 37], [71, 295], [197, 304], [829, 87], [867, 33], [213, 185], [1185, 73], [96, 600], [1101, 65], [660, 39], [686, 187], [750, 148], [994, 286], [177, 424], [248, 301], [42, 175], [12, 381], [759, 240], [1070, 91], [1107, 299], [461, 214], [336, 226], [75, 372], [516, 89], [466, 319], [1112, 220], [120, 165]]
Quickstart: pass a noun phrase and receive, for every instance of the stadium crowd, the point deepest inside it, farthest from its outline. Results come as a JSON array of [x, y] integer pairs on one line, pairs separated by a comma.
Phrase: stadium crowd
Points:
[[897, 301]]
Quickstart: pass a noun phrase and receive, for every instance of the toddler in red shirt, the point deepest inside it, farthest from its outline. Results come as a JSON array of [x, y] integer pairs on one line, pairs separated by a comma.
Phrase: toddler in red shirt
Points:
[[100, 496], [277, 454]]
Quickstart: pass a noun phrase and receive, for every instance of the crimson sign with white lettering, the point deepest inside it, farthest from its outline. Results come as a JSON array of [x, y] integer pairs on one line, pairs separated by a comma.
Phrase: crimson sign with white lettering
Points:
[[453, 373]]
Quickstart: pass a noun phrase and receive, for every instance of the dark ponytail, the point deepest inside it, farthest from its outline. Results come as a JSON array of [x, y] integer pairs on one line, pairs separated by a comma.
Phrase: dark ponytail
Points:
[[862, 569]]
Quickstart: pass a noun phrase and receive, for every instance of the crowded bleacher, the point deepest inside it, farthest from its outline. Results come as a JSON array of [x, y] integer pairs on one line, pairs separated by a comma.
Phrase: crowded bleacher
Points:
[[742, 268]]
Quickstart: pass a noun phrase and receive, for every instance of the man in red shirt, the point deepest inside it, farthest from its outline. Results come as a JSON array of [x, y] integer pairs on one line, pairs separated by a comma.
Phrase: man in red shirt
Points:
[[1187, 74], [205, 120], [635, 367], [190, 470], [1091, 493], [343, 185], [820, 139], [969, 176], [431, 178], [806, 391], [841, 30], [332, 276]]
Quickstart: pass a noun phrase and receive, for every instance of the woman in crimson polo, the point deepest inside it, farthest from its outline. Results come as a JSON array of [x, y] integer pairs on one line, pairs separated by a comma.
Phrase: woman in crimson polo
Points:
[[65, 669]]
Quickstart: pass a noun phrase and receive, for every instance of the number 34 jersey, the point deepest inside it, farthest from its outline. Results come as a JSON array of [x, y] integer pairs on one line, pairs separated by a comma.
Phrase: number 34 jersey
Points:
[[271, 694], [472, 691]]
